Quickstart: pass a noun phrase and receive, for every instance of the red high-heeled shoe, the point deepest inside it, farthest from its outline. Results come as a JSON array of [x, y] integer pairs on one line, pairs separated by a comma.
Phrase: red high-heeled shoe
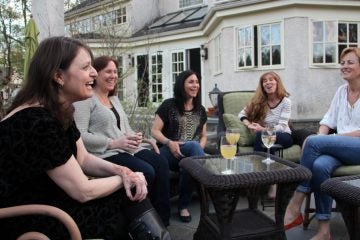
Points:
[[297, 221]]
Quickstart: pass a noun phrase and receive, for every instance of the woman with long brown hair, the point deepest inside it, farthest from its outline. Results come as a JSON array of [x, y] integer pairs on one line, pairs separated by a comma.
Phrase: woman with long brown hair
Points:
[[269, 106]]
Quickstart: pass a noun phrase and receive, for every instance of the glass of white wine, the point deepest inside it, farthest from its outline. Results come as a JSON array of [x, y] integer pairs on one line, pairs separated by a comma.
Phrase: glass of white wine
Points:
[[233, 135], [268, 137], [228, 151]]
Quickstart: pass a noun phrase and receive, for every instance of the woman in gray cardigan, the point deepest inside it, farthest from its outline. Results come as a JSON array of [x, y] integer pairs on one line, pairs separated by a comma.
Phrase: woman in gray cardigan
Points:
[[106, 132]]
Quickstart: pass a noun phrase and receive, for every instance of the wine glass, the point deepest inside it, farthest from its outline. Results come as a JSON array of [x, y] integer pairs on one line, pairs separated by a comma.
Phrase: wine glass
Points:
[[228, 151], [233, 135], [268, 137]]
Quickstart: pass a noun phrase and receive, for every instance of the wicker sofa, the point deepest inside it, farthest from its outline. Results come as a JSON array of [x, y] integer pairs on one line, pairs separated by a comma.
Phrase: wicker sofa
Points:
[[229, 106]]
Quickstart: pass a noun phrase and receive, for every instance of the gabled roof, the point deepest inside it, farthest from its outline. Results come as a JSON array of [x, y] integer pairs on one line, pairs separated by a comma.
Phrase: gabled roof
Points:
[[177, 20]]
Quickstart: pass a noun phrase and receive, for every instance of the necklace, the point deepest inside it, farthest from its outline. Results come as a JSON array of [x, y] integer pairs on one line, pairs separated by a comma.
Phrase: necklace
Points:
[[350, 103], [352, 97]]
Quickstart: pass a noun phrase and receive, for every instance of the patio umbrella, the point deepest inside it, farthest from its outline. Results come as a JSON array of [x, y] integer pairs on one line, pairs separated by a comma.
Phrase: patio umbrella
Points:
[[31, 43]]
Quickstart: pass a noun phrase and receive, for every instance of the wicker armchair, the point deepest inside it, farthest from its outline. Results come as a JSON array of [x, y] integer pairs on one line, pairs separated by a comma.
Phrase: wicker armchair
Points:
[[36, 209]]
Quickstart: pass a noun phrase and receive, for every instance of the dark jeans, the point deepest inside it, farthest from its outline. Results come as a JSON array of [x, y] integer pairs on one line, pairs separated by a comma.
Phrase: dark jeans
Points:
[[283, 138], [188, 149], [156, 171]]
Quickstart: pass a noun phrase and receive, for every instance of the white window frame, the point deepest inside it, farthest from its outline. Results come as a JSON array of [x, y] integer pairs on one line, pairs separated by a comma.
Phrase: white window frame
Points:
[[156, 78], [324, 41], [247, 43], [335, 41], [217, 54], [180, 65], [96, 22], [122, 17], [271, 45], [243, 46]]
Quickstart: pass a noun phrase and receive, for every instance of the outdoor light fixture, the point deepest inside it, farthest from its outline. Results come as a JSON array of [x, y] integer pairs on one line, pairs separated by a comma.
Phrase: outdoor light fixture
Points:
[[131, 60], [204, 52], [213, 95]]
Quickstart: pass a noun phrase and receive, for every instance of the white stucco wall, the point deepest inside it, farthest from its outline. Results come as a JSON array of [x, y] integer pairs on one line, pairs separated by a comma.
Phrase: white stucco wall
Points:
[[311, 87], [142, 13], [168, 6], [49, 17]]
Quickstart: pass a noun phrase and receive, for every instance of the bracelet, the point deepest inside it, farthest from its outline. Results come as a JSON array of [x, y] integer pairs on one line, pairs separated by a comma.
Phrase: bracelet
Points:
[[166, 143]]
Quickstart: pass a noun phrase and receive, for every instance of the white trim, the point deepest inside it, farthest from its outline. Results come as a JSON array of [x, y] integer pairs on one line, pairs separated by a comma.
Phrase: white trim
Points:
[[217, 65]]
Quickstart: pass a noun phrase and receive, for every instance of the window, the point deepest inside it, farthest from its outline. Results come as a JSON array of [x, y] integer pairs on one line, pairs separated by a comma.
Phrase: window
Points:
[[96, 22], [324, 42], [189, 3], [177, 64], [120, 83], [245, 51], [270, 44], [84, 25], [329, 38], [348, 36], [217, 51], [108, 19], [121, 15], [260, 46], [156, 78]]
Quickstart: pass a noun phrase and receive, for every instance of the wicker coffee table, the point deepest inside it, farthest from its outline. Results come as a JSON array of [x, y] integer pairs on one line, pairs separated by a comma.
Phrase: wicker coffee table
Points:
[[250, 179], [346, 192]]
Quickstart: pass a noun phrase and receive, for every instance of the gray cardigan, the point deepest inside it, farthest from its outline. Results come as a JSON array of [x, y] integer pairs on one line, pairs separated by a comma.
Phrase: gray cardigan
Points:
[[97, 125]]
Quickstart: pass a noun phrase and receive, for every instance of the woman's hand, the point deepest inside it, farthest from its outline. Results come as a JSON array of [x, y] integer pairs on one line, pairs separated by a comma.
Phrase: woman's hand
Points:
[[255, 127], [174, 148], [134, 183], [129, 142]]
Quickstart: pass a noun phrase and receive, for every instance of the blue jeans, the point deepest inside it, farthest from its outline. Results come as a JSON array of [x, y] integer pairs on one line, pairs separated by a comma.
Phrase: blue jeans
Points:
[[283, 138], [156, 171], [322, 154], [186, 185]]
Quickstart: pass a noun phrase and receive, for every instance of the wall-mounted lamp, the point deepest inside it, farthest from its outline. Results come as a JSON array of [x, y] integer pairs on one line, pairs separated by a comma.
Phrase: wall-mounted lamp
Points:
[[131, 60], [204, 52], [213, 95]]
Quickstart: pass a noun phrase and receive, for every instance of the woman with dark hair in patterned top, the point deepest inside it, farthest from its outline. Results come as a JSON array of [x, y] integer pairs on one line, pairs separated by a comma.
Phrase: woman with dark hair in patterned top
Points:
[[180, 129]]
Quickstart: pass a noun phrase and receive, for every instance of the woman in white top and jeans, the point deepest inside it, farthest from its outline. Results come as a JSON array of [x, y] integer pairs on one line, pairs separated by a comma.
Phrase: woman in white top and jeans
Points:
[[323, 153]]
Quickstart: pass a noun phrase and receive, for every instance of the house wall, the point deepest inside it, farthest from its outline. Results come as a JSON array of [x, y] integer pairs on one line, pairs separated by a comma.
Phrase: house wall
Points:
[[49, 17], [311, 88], [142, 13]]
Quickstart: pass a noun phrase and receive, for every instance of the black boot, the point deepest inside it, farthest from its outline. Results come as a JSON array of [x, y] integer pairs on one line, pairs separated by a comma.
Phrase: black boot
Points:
[[148, 226]]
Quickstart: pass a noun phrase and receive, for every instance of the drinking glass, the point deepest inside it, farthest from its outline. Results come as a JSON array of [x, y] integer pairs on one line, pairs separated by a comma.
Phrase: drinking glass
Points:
[[233, 135], [228, 151], [268, 137]]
